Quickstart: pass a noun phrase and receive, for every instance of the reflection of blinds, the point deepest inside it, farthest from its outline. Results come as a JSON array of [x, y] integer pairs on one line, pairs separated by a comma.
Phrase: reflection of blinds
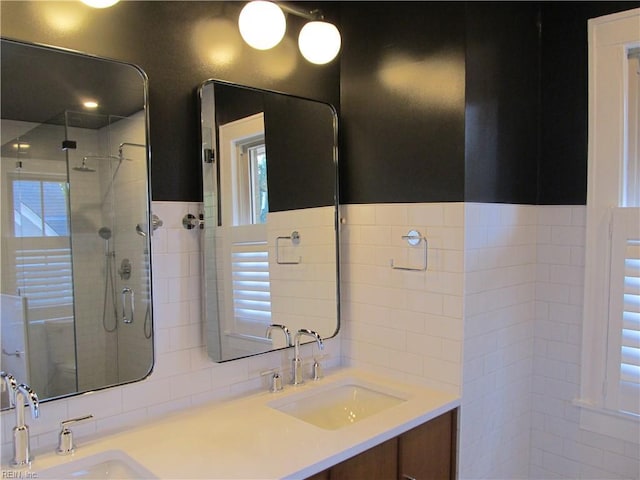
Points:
[[250, 273], [44, 276], [623, 377], [630, 353]]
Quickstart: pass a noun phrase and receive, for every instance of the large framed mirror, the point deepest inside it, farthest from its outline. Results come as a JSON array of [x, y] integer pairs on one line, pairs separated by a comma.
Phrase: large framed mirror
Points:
[[76, 266], [270, 236]]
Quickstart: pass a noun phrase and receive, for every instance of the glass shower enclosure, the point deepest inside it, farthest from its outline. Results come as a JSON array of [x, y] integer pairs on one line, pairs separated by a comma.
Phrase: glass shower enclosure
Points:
[[76, 296]]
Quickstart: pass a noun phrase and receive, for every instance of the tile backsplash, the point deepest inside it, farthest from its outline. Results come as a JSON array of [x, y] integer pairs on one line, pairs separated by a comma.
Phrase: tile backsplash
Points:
[[497, 318], [405, 323], [182, 375]]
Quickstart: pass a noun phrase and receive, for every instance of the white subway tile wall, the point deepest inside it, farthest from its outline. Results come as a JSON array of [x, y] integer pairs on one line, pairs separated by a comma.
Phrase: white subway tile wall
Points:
[[505, 278], [500, 275], [407, 324], [182, 375], [559, 447]]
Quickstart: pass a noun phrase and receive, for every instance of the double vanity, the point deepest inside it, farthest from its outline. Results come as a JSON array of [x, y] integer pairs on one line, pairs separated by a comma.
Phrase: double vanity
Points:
[[321, 429]]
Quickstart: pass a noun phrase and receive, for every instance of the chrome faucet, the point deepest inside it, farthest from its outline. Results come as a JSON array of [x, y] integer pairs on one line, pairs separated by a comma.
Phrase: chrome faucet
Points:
[[287, 332], [21, 448], [297, 376]]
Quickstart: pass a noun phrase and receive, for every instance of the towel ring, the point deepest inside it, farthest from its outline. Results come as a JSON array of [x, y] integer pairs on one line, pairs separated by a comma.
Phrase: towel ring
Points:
[[414, 238], [295, 240]]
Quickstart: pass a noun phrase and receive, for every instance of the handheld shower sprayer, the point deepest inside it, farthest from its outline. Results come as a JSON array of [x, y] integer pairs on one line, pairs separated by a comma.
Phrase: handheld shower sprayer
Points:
[[105, 233]]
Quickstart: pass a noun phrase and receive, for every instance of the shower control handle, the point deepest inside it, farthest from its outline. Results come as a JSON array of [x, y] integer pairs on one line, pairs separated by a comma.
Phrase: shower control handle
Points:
[[127, 292], [125, 269]]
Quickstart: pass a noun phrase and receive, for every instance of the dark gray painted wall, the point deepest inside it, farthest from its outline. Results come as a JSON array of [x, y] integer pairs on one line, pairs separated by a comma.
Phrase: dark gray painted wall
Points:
[[402, 102], [564, 98], [506, 139], [179, 44], [502, 113], [518, 136]]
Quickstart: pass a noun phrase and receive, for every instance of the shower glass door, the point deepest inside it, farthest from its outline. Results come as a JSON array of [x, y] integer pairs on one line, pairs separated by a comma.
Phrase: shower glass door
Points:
[[110, 242], [38, 342]]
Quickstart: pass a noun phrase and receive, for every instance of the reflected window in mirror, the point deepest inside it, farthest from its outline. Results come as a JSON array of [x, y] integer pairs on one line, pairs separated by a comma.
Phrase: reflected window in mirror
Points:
[[243, 167], [243, 225]]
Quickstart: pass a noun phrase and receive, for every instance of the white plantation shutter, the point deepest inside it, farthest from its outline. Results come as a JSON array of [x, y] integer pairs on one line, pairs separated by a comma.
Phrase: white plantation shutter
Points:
[[245, 260], [43, 271], [623, 369], [250, 275]]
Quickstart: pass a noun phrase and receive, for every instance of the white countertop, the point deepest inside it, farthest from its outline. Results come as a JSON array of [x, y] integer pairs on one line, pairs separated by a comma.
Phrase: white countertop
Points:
[[245, 438]]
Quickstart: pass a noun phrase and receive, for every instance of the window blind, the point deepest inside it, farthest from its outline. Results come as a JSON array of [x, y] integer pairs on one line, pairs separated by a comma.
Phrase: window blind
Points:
[[251, 286], [44, 275], [623, 358], [630, 342]]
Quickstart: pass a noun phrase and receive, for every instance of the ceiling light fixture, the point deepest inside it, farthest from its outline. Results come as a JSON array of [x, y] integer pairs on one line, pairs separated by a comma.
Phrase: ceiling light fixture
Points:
[[91, 104], [319, 41], [262, 24], [100, 3]]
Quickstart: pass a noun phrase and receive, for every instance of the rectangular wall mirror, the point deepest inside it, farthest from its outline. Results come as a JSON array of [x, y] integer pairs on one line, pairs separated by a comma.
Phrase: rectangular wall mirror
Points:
[[270, 235], [76, 266]]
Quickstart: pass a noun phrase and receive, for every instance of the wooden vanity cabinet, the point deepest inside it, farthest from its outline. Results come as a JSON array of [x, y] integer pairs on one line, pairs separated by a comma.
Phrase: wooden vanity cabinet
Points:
[[427, 452]]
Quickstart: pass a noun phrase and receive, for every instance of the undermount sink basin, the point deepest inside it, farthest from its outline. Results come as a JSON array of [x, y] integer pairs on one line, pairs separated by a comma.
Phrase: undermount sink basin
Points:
[[106, 465], [339, 405]]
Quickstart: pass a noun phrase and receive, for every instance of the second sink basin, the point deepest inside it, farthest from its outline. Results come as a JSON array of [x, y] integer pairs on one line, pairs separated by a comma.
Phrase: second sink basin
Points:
[[113, 464], [338, 405]]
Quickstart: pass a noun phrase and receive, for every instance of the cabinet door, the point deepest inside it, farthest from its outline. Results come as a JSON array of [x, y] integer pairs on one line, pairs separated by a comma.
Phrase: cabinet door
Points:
[[378, 463], [324, 475], [428, 451]]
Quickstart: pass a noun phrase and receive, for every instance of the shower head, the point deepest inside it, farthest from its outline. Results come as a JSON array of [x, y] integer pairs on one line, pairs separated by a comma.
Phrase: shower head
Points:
[[84, 167], [105, 233]]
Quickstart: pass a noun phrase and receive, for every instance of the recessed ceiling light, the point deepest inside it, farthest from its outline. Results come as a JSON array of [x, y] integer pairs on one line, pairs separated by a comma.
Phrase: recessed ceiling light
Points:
[[90, 104]]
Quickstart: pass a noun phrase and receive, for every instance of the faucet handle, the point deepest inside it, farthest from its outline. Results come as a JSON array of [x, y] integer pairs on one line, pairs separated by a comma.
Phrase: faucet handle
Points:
[[275, 383], [66, 445], [318, 372]]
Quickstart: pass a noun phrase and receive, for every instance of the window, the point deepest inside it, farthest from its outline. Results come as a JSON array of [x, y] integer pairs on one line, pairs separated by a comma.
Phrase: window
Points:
[[243, 172], [610, 383], [41, 250], [243, 225], [250, 192], [256, 156], [622, 384], [40, 208], [623, 358], [631, 178]]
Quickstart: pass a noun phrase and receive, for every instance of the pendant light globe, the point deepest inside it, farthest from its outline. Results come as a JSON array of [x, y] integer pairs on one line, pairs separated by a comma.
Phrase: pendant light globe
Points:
[[319, 42], [262, 24]]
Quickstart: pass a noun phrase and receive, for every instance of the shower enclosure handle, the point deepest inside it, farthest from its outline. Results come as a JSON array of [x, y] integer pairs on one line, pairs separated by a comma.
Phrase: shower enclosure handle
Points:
[[126, 291]]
